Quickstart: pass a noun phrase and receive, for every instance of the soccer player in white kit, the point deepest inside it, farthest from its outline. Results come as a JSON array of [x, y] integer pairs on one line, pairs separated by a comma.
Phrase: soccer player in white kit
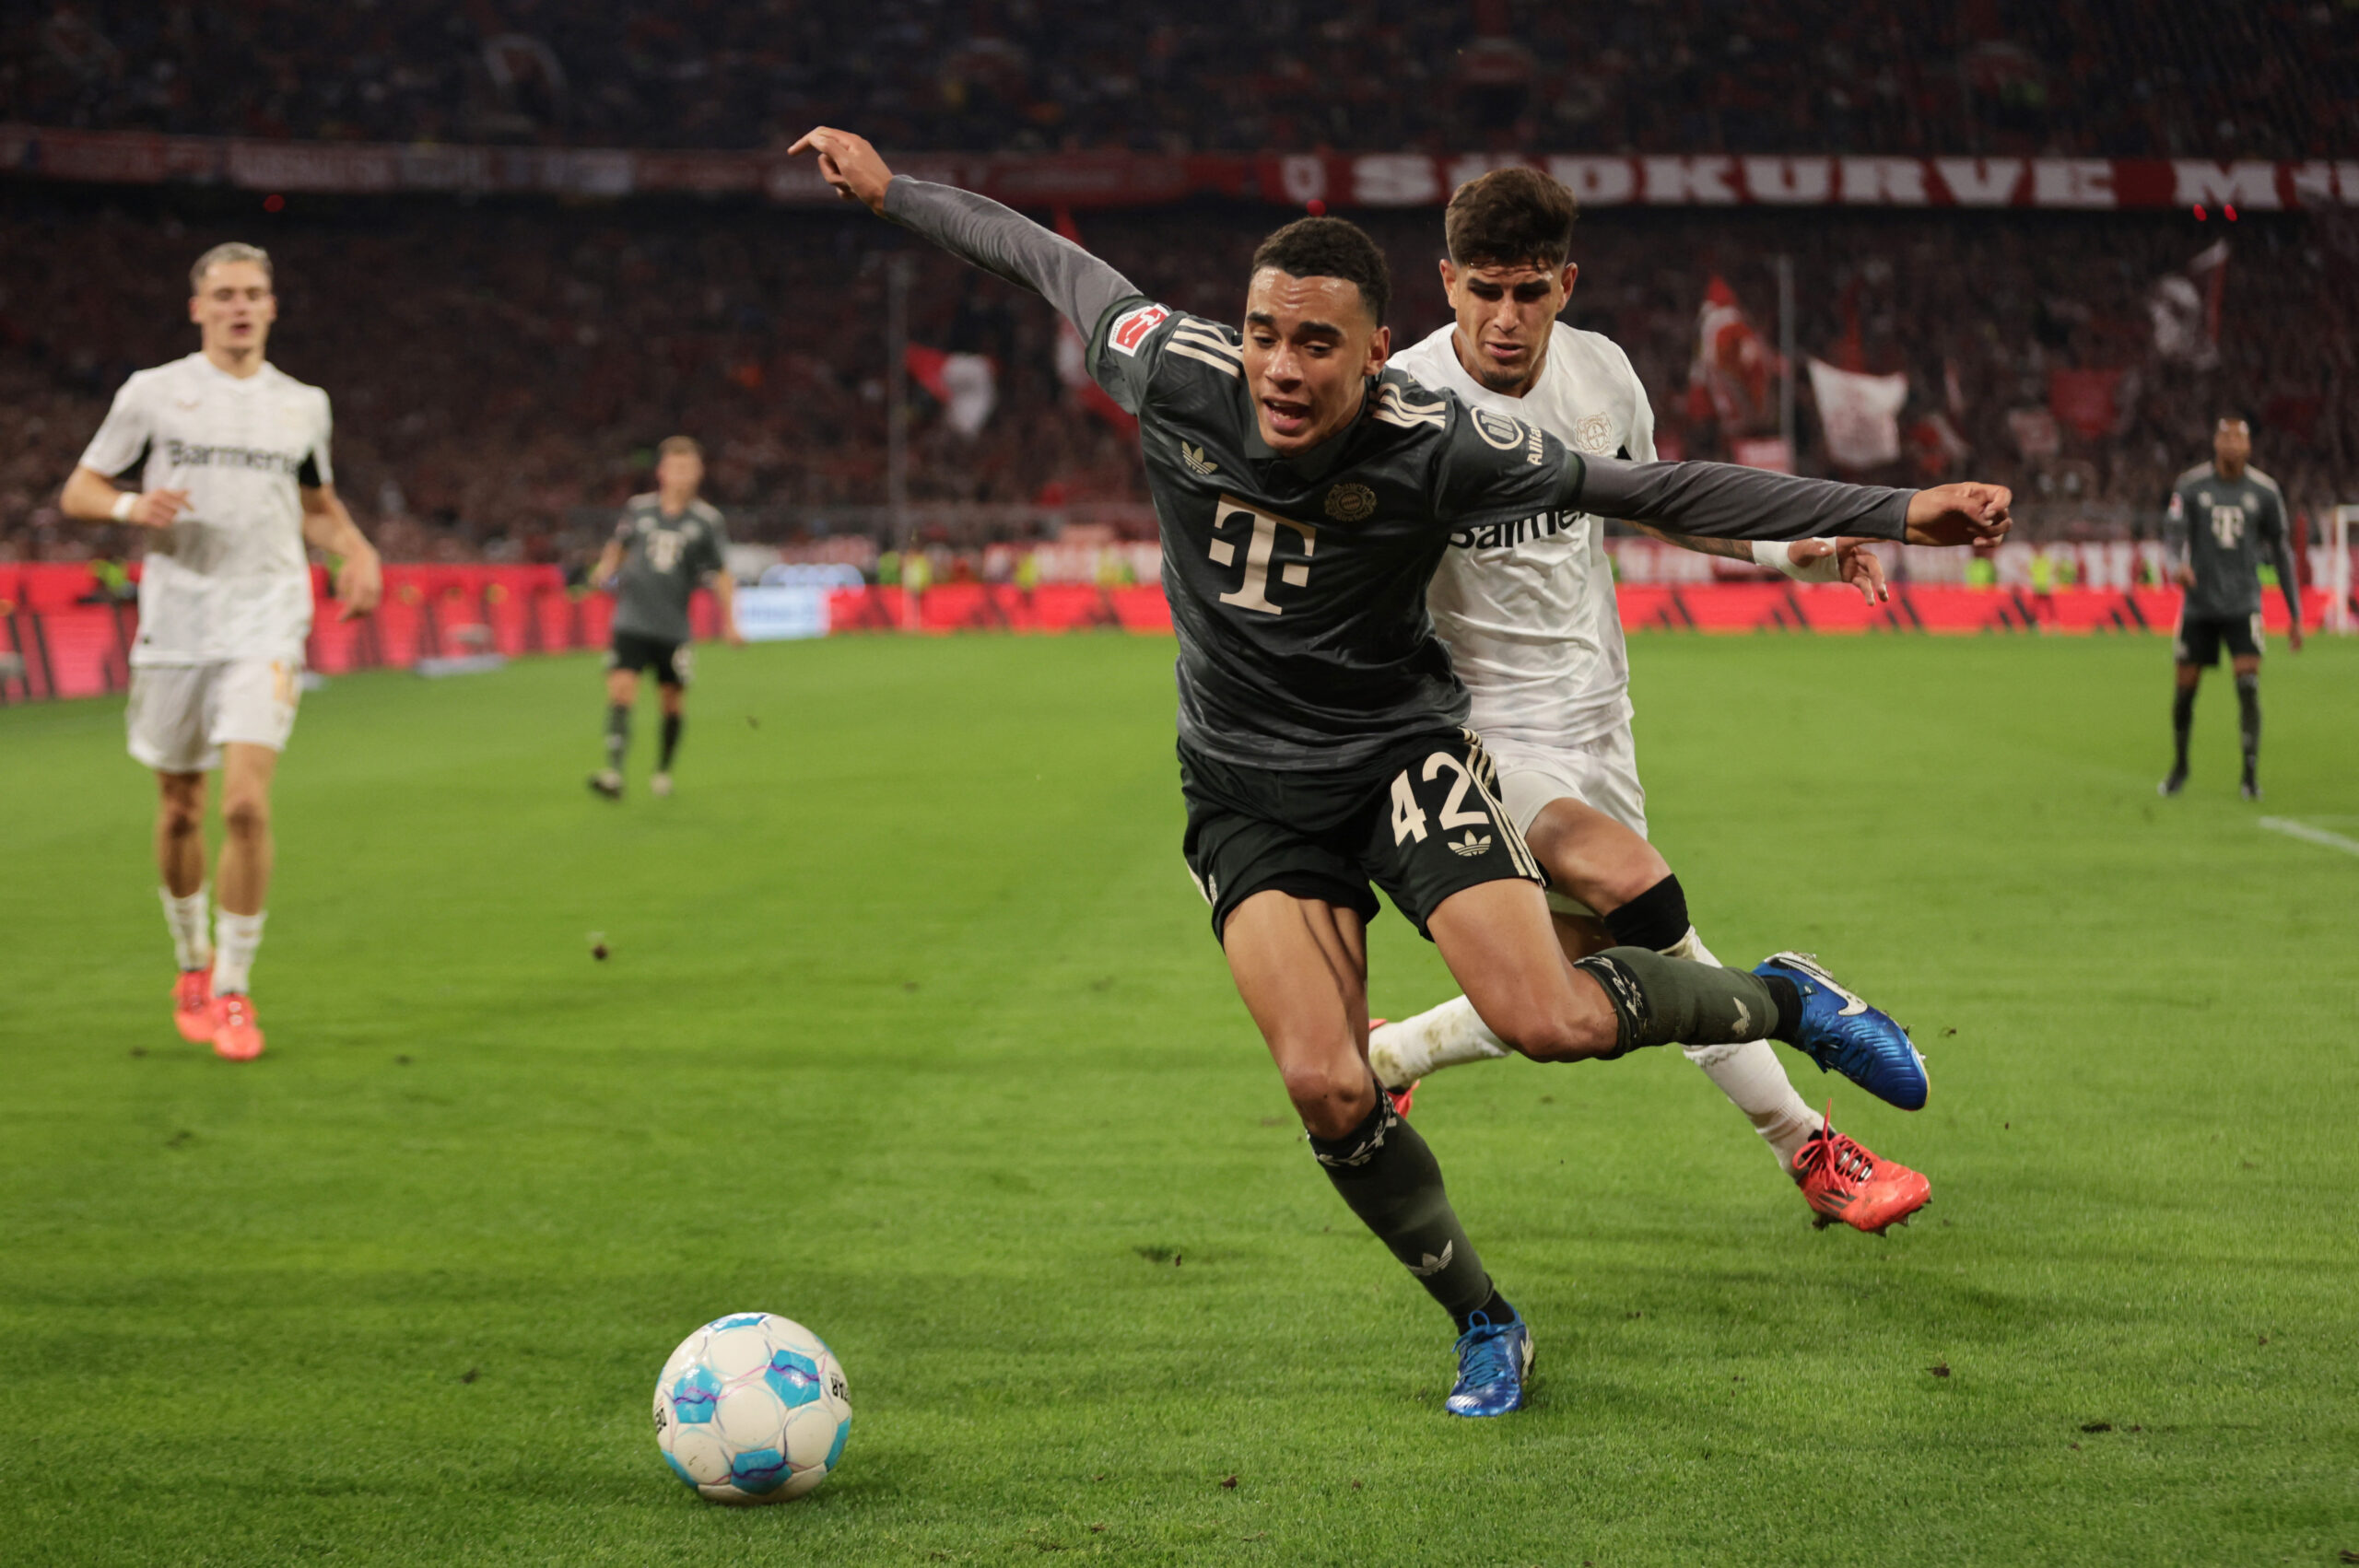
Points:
[[229, 456], [1528, 613]]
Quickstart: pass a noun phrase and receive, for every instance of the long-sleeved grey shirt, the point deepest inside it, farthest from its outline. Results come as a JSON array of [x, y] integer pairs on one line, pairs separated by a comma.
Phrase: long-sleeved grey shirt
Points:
[[1297, 583]]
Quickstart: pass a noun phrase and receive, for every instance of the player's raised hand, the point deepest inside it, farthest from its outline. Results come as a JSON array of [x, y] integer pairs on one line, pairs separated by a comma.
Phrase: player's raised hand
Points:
[[1863, 568], [850, 164], [359, 583], [1960, 514], [156, 509]]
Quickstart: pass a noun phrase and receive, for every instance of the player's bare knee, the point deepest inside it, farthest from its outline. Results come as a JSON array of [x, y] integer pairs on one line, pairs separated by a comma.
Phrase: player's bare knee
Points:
[[1330, 1099], [245, 814], [1544, 1032]]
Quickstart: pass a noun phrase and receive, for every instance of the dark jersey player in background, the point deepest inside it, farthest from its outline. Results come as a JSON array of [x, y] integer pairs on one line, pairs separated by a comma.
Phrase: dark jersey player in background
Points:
[[1305, 494], [664, 545], [2223, 514]]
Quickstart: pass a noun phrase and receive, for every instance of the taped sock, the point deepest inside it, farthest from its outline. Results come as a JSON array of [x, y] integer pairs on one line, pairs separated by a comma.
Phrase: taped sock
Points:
[[1448, 1036], [236, 940], [185, 917], [1659, 1001]]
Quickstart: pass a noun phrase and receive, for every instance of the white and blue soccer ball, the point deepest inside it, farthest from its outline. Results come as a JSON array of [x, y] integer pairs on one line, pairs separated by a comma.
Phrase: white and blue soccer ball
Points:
[[751, 1407]]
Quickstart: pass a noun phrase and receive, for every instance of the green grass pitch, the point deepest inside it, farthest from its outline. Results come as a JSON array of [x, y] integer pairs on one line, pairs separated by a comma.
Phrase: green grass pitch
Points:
[[913, 1030]]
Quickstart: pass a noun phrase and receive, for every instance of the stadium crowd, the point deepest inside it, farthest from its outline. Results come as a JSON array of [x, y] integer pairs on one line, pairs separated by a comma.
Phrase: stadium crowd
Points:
[[2274, 78], [500, 375]]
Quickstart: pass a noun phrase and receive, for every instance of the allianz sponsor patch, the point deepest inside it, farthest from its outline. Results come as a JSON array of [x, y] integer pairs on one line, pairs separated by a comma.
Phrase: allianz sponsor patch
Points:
[[1132, 326]]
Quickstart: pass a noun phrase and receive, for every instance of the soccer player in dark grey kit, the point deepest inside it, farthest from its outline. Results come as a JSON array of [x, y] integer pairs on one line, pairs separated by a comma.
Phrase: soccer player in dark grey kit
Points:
[[2222, 514], [1305, 494], [664, 545]]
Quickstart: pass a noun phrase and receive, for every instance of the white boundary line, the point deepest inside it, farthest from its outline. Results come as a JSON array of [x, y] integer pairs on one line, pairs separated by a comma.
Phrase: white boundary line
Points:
[[2294, 829]]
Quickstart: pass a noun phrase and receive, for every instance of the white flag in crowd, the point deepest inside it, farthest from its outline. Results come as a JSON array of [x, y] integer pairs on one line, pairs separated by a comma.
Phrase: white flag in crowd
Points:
[[1860, 414], [2186, 310], [966, 385]]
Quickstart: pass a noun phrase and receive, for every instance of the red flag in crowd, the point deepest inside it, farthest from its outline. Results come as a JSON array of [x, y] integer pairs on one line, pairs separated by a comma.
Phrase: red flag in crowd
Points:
[[1730, 379], [2087, 402]]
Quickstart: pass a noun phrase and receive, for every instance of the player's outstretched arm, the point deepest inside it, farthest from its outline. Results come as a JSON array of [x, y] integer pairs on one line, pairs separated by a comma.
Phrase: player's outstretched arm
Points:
[[1720, 500], [359, 577], [974, 228]]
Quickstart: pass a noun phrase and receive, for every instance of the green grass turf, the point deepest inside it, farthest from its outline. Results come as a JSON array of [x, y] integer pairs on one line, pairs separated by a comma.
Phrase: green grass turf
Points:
[[913, 1031]]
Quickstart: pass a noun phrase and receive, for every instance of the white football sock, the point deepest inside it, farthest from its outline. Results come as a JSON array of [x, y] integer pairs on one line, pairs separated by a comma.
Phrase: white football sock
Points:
[[1443, 1036], [1751, 1075], [185, 917], [236, 938]]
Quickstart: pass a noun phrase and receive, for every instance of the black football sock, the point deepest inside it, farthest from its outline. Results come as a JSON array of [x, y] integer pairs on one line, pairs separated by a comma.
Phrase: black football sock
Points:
[[1659, 1001], [2248, 720], [671, 742], [2182, 721], [617, 734], [1393, 1183]]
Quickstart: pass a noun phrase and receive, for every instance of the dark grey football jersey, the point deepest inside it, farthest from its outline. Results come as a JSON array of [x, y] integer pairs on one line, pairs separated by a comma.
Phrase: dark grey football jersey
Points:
[[2230, 526], [1297, 585], [664, 557]]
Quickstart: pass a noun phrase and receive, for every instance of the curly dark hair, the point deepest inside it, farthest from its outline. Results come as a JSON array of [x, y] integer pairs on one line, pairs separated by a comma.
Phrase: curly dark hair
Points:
[[1513, 216], [1331, 247]]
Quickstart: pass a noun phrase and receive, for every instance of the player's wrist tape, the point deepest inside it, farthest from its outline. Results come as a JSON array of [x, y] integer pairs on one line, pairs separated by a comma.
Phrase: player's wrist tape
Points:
[[1777, 556], [124, 502]]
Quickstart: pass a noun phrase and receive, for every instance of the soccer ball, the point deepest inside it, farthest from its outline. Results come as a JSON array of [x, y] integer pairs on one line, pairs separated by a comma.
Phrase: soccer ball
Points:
[[751, 1407]]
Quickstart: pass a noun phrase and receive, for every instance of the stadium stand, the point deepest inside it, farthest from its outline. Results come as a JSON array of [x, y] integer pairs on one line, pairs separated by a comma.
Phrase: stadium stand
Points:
[[2114, 79], [502, 370]]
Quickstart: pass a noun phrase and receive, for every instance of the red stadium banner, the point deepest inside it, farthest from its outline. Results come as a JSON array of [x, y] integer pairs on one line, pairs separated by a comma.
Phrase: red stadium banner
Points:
[[62, 636], [1132, 179]]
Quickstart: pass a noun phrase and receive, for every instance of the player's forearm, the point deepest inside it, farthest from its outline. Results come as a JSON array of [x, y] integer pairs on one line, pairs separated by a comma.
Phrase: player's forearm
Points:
[[89, 497], [1727, 549], [1722, 501], [1007, 244], [331, 528], [2289, 578]]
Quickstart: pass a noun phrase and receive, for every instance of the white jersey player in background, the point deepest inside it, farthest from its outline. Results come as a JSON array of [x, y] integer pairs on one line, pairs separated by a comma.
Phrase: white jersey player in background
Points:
[[230, 460], [1528, 613]]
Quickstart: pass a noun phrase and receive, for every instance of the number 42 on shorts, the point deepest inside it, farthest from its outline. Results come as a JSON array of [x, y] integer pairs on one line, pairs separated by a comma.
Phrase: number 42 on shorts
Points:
[[1408, 817]]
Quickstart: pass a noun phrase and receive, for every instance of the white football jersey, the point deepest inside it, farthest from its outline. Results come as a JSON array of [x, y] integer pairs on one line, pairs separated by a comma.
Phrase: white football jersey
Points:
[[229, 578], [1527, 608]]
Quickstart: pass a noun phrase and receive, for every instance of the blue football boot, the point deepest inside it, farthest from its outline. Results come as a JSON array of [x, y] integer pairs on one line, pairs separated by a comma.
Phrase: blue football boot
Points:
[[1492, 1360], [1842, 1033]]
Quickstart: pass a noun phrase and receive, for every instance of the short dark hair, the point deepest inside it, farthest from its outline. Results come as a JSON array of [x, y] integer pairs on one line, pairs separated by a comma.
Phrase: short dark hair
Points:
[[1331, 247], [1512, 216]]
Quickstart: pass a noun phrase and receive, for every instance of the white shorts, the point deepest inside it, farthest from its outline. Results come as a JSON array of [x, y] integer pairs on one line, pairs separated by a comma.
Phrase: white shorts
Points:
[[182, 715], [1601, 774]]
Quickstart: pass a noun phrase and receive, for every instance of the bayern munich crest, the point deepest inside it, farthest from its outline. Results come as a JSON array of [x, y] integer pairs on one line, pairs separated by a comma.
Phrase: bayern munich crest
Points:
[[1351, 503]]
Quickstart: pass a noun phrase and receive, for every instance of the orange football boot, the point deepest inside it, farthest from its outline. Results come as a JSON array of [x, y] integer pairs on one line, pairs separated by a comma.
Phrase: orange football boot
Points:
[[236, 1035], [1842, 1180], [192, 1005]]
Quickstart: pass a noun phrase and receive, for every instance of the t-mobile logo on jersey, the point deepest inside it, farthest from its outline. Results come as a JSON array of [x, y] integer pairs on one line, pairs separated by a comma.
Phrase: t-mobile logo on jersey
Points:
[[1261, 547]]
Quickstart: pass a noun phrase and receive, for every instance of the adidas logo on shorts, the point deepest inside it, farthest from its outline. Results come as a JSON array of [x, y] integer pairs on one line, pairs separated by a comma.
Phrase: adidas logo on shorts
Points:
[[1470, 846]]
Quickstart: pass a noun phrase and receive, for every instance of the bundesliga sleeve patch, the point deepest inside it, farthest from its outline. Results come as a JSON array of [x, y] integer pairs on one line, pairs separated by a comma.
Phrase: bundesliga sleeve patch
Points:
[[1132, 326]]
